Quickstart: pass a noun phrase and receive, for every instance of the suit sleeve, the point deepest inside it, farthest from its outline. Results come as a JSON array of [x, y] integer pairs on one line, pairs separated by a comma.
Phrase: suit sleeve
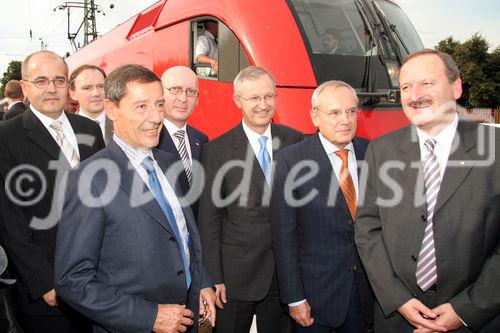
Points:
[[80, 236], [389, 289], [480, 302], [284, 233], [210, 218], [29, 260]]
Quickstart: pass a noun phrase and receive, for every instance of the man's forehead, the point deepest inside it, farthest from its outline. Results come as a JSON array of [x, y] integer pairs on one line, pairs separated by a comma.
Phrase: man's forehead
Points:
[[87, 72]]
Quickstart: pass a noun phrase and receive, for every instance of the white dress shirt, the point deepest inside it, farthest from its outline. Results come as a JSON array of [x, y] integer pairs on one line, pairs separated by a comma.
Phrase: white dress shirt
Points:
[[66, 126], [253, 139], [136, 157], [172, 129], [100, 119]]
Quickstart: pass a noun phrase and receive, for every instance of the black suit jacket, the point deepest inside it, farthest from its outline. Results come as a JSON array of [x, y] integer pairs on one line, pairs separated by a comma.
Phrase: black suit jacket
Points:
[[15, 110], [28, 225], [196, 141], [466, 227], [236, 235], [314, 242]]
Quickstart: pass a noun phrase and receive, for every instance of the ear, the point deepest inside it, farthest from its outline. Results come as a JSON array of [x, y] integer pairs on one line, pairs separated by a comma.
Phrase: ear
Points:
[[237, 101], [314, 117], [24, 87], [457, 88], [72, 94], [111, 110]]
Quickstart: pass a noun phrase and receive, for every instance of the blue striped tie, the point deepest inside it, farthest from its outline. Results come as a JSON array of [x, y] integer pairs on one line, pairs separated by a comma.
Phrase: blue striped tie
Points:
[[155, 186], [264, 158]]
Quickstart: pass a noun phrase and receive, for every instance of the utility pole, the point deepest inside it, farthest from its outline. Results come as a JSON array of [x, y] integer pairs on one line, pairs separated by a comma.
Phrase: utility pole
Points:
[[88, 23]]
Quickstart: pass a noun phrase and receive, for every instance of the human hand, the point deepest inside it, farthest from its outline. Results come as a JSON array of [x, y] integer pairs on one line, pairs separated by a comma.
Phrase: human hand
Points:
[[302, 314], [172, 318], [420, 316], [50, 298], [220, 295], [207, 305]]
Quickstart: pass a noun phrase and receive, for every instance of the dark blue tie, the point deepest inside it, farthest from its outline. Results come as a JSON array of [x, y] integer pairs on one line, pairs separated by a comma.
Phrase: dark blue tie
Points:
[[154, 184]]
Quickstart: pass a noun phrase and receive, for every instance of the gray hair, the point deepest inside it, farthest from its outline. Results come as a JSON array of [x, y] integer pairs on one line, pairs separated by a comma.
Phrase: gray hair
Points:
[[116, 83], [26, 62], [452, 70], [249, 74], [331, 84]]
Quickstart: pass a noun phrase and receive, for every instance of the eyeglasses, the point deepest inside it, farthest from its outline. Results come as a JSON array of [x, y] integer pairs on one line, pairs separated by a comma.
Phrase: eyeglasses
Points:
[[179, 90], [257, 99], [44, 83], [351, 113]]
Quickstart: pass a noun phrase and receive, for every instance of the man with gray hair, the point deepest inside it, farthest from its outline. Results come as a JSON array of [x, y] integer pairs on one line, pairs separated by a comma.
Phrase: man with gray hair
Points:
[[319, 271], [234, 212]]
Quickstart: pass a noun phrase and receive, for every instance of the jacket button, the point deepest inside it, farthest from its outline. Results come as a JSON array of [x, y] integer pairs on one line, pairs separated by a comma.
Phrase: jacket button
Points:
[[423, 218], [179, 273], [353, 269], [182, 302]]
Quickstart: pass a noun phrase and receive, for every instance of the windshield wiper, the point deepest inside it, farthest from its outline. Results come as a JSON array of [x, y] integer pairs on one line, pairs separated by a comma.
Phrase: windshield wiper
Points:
[[387, 28], [394, 29]]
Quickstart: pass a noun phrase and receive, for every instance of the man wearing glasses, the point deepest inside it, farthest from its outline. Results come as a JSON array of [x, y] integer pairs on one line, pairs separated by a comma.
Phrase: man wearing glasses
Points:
[[234, 209], [177, 137], [37, 148], [319, 271]]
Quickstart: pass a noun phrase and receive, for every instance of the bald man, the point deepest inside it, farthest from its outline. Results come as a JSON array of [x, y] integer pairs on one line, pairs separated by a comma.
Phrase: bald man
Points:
[[185, 142]]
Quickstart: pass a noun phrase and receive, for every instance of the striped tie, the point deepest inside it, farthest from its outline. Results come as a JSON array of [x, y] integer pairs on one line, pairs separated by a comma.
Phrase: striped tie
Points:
[[426, 266], [264, 158], [346, 182], [180, 135], [64, 144]]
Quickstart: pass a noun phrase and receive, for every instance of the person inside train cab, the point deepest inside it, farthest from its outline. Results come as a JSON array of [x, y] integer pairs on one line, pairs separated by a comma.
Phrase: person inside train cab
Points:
[[206, 49]]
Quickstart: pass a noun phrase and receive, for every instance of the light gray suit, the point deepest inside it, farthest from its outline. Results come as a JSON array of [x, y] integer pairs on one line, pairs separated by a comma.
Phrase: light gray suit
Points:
[[466, 229]]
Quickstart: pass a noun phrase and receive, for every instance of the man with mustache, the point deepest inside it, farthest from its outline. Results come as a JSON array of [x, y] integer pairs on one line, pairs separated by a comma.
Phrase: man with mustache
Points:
[[235, 232], [428, 232], [128, 252], [86, 86]]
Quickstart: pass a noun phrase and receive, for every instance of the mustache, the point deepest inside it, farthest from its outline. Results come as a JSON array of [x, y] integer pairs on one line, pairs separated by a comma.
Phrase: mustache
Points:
[[421, 102], [152, 126]]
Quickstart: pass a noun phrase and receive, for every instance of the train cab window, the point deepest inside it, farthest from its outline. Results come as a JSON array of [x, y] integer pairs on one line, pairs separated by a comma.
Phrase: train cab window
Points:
[[217, 53]]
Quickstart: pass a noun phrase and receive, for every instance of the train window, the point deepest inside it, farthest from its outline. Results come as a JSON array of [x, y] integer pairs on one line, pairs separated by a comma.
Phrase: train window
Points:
[[217, 53], [334, 27]]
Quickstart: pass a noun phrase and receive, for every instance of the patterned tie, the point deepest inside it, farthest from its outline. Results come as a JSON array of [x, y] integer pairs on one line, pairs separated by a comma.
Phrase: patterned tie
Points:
[[64, 144], [180, 135], [346, 183], [426, 266], [155, 187], [264, 158]]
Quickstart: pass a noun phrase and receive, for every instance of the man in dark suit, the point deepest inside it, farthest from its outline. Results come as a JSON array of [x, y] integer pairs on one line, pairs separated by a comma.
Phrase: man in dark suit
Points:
[[429, 232], [130, 258], [86, 86], [38, 147], [234, 209], [177, 137], [14, 94], [319, 271]]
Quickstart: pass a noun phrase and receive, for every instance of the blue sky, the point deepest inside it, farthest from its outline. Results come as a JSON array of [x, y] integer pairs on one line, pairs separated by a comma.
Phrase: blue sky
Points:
[[433, 19]]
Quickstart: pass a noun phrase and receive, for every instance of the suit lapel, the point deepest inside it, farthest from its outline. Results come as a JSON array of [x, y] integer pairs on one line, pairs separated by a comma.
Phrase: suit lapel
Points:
[[108, 130], [194, 143], [128, 176], [39, 134], [412, 173], [167, 144], [454, 175], [84, 148]]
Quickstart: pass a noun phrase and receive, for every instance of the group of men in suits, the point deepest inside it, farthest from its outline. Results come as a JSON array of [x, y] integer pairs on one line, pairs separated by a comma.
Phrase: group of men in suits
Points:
[[131, 249]]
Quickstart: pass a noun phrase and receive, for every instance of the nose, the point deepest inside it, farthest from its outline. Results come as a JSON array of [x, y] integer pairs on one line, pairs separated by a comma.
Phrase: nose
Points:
[[156, 114], [183, 95], [51, 87], [415, 92]]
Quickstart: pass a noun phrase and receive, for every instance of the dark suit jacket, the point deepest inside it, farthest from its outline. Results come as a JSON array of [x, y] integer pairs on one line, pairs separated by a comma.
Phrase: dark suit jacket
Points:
[[117, 259], [236, 237], [196, 141], [15, 110], [466, 228], [108, 131], [314, 242], [26, 142]]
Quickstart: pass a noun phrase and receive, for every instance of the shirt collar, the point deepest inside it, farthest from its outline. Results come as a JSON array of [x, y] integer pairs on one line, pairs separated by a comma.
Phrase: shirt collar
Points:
[[330, 148], [136, 156], [171, 127], [254, 136], [13, 103], [444, 138], [101, 117], [46, 120]]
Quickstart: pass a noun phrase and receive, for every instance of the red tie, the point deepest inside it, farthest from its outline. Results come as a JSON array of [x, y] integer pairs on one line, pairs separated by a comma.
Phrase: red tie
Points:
[[346, 183]]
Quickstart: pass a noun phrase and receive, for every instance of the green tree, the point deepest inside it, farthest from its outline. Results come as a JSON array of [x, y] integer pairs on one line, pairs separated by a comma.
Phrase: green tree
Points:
[[479, 70], [13, 72]]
